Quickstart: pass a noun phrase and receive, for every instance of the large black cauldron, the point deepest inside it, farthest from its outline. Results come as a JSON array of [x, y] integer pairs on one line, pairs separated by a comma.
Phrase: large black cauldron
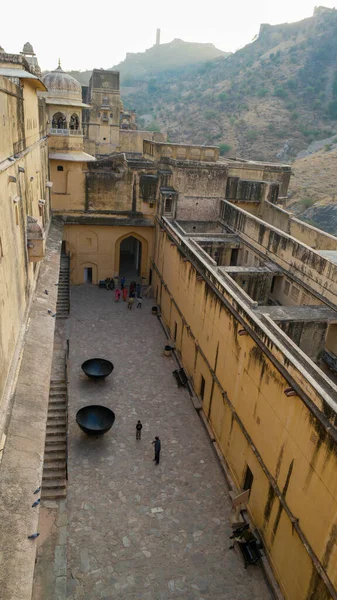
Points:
[[95, 419], [97, 368]]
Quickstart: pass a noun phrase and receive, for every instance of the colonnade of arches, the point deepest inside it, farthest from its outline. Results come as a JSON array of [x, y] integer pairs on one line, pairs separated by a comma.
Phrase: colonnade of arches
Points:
[[59, 121]]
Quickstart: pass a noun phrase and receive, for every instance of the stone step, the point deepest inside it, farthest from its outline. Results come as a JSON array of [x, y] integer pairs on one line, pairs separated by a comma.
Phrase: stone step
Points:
[[50, 484], [61, 388], [55, 465], [56, 474], [60, 393], [55, 451], [60, 406], [56, 423], [57, 414], [53, 430], [55, 438], [55, 460], [53, 494]]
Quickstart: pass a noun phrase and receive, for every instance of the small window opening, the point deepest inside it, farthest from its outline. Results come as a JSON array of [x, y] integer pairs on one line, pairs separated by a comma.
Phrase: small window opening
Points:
[[272, 285], [16, 215], [59, 168], [202, 388], [168, 205], [249, 478], [175, 331], [104, 139], [286, 287]]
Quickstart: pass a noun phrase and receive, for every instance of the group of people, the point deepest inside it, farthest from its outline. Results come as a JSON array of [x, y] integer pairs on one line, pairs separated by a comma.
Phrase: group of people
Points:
[[156, 442], [129, 295]]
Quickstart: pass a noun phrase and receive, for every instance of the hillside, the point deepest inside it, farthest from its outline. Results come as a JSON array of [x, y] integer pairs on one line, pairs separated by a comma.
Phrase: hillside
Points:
[[313, 188], [164, 57], [266, 101]]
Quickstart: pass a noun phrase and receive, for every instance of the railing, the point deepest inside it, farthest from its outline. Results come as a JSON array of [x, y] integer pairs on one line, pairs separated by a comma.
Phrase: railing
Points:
[[54, 131]]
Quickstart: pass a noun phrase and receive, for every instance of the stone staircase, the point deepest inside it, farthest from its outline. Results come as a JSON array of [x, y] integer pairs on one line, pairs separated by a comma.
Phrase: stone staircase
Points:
[[55, 452], [62, 305]]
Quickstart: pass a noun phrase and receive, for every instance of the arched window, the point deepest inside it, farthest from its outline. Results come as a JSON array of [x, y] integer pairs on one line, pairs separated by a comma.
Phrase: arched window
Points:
[[74, 122], [59, 121]]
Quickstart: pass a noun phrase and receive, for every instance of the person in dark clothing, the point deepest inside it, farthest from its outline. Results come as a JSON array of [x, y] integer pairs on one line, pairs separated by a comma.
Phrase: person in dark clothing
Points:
[[139, 428], [132, 287], [122, 282], [157, 448], [138, 290]]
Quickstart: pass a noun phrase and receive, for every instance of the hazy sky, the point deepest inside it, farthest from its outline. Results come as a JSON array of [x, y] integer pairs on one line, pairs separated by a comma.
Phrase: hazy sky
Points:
[[98, 34]]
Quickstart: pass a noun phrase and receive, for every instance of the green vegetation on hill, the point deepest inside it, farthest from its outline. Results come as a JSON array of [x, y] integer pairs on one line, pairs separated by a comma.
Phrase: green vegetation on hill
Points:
[[267, 101], [279, 92]]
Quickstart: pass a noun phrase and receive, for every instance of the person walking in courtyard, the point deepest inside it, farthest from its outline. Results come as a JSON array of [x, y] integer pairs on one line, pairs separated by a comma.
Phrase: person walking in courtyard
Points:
[[157, 448], [131, 300], [139, 428], [117, 294], [138, 290], [139, 302], [122, 282], [132, 287], [125, 293]]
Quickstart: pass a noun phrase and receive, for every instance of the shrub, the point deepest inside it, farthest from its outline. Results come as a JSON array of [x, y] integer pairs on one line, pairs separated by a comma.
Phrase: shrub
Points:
[[307, 202], [224, 148], [153, 126], [251, 135], [332, 109], [280, 92], [210, 114]]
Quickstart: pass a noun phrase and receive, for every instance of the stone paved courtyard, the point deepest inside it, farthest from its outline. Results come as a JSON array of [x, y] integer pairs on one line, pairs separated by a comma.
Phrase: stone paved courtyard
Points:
[[137, 530]]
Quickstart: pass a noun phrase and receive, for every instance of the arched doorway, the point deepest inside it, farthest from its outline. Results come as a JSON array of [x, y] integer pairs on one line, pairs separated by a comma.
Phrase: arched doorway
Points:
[[130, 258]]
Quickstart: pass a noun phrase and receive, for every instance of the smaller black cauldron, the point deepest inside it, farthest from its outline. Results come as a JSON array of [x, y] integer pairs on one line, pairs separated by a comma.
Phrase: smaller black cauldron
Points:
[[95, 419], [97, 368]]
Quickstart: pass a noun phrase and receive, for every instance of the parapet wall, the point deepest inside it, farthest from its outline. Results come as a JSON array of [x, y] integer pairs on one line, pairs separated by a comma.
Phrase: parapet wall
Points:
[[131, 140], [158, 150], [293, 256], [284, 220]]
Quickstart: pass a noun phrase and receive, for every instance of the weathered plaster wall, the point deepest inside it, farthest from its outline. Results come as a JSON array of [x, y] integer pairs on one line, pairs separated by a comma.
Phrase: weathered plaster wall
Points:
[[131, 140], [98, 247], [20, 197], [158, 151], [300, 260], [284, 220], [290, 452], [68, 191]]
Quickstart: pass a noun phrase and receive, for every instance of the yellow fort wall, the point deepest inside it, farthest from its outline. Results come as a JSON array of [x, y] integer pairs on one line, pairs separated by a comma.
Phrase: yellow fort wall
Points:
[[22, 185], [291, 454]]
